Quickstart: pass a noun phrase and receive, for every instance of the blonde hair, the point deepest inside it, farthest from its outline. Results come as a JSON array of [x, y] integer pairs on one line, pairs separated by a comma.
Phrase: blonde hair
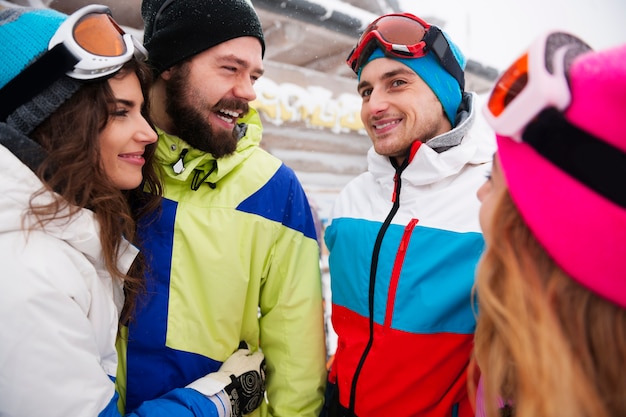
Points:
[[545, 343]]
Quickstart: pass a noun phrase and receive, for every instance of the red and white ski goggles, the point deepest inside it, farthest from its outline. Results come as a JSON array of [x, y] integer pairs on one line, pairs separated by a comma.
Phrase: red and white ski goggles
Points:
[[404, 35]]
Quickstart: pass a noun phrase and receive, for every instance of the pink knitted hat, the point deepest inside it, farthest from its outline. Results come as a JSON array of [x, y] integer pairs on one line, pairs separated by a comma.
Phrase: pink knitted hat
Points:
[[581, 225]]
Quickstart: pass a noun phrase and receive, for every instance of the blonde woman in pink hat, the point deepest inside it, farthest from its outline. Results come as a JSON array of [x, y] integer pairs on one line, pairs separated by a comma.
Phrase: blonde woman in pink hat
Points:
[[551, 285]]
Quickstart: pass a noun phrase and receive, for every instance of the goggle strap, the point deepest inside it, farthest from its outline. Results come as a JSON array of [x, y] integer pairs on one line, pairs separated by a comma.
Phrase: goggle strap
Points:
[[571, 148], [35, 78], [452, 65], [442, 50], [367, 51]]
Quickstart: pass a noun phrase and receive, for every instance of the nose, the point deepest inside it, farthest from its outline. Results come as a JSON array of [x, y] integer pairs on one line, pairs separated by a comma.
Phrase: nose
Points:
[[377, 102], [145, 132], [244, 88], [480, 193]]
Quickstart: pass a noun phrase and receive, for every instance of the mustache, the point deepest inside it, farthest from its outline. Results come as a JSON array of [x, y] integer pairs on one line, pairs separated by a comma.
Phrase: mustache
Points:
[[240, 106]]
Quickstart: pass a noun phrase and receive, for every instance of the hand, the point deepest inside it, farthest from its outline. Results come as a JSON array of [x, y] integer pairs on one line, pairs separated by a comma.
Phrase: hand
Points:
[[241, 377], [247, 380]]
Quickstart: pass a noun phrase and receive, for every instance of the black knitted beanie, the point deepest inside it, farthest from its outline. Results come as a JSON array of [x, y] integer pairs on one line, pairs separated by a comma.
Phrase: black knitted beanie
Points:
[[175, 30]]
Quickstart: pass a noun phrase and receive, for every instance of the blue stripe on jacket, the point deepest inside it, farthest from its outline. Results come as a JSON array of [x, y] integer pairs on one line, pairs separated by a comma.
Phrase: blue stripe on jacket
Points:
[[149, 360], [434, 285], [282, 187]]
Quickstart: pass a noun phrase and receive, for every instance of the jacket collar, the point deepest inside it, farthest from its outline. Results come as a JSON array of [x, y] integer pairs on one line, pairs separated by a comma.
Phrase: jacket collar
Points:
[[20, 182], [475, 144], [172, 150]]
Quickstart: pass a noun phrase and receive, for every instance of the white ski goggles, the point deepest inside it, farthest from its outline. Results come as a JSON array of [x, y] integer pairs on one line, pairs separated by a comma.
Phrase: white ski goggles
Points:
[[535, 81], [88, 45], [97, 41]]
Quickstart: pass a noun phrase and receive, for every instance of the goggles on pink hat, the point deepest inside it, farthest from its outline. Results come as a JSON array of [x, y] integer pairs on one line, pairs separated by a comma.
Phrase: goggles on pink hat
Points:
[[558, 117], [404, 35], [536, 87], [535, 81]]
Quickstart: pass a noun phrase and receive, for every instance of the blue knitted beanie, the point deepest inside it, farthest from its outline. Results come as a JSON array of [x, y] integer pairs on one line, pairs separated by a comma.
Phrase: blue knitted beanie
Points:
[[429, 69], [24, 36]]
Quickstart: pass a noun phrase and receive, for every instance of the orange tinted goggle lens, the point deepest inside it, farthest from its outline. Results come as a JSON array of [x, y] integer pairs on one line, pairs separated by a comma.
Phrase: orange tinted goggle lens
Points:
[[400, 30], [509, 86], [100, 35]]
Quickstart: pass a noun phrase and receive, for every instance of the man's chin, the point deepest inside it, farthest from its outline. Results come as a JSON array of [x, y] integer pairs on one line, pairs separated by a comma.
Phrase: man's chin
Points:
[[222, 133]]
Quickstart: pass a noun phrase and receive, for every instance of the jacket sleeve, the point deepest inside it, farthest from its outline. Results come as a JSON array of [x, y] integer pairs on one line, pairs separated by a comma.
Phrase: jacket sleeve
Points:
[[58, 324], [181, 402], [291, 322], [56, 336]]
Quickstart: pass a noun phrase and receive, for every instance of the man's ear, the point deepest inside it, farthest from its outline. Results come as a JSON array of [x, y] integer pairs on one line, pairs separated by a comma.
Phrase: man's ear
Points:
[[167, 74]]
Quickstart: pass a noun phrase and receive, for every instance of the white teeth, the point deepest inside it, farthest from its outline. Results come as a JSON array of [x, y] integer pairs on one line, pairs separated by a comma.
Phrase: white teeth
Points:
[[386, 124], [230, 113], [226, 119]]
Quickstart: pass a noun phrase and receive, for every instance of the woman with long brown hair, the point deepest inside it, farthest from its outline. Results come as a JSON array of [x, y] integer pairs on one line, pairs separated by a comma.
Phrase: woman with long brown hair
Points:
[[551, 285], [76, 155]]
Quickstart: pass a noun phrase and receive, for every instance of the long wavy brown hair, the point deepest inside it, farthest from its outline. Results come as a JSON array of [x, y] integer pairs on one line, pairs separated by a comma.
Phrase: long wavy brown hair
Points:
[[544, 342], [70, 138]]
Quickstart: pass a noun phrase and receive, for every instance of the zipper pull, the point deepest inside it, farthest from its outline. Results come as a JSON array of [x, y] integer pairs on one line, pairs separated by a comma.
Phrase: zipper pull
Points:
[[395, 187], [179, 167]]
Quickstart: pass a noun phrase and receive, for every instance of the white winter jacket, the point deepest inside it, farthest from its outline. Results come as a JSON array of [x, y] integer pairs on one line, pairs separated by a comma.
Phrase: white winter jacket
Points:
[[58, 306], [404, 245]]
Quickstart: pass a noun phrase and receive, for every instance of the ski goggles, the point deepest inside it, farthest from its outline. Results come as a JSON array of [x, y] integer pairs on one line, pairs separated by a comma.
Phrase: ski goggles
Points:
[[88, 45], [404, 35], [97, 41], [535, 81]]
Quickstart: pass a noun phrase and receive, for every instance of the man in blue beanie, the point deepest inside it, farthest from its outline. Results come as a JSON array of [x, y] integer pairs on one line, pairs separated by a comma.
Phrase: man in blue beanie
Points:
[[233, 254], [404, 237]]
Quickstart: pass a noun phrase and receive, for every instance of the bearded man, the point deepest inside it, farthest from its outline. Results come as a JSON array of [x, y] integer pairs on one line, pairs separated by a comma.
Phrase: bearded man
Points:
[[233, 254]]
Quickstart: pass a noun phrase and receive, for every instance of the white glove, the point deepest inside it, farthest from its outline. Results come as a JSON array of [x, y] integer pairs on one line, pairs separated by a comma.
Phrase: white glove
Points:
[[242, 377]]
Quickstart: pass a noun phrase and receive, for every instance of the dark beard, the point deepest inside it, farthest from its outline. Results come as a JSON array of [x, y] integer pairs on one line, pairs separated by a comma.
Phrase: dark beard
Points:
[[191, 126]]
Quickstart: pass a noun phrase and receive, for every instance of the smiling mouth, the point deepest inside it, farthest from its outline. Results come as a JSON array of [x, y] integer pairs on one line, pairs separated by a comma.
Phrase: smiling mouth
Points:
[[132, 156], [229, 116], [385, 125]]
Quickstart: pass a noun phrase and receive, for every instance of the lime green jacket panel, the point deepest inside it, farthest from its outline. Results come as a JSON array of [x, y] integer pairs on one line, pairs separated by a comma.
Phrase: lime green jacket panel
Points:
[[242, 274]]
